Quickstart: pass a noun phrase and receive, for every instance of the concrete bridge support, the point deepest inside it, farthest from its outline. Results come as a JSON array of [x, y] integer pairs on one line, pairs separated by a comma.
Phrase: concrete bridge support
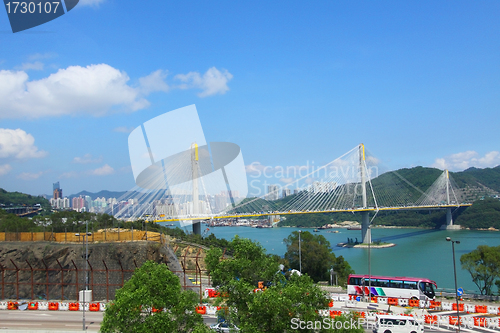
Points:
[[449, 221], [197, 227], [366, 231]]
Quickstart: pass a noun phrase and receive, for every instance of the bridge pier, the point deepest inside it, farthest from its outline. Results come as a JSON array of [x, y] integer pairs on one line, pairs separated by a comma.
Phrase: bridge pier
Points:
[[449, 221], [366, 231], [197, 227]]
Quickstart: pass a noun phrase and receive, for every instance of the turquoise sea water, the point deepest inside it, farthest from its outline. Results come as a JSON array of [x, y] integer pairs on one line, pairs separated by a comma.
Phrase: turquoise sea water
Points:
[[418, 252]]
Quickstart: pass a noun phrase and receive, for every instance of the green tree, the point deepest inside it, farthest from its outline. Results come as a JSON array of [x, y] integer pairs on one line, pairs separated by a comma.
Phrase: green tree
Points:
[[272, 309], [483, 264], [286, 303], [316, 257], [153, 286]]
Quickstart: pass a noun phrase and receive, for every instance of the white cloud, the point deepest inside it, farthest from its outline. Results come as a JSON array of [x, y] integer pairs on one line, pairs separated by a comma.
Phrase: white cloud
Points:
[[29, 176], [287, 180], [5, 169], [70, 174], [212, 82], [93, 3], [124, 129], [38, 56], [103, 171], [37, 66], [87, 158], [18, 144], [154, 82], [467, 159], [94, 90]]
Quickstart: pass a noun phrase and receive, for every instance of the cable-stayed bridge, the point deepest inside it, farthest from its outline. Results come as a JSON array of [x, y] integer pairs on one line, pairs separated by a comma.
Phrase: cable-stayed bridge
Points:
[[350, 183]]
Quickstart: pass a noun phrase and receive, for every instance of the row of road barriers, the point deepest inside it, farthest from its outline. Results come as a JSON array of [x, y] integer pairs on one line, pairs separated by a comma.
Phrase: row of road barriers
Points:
[[53, 306]]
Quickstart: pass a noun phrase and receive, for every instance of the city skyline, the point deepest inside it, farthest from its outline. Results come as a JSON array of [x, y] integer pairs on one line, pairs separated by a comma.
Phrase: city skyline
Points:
[[293, 85]]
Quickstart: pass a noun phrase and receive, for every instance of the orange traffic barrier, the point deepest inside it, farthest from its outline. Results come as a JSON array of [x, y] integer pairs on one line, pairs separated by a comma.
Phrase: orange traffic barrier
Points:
[[413, 302], [392, 301], [481, 309], [334, 314], [453, 320], [33, 306], [481, 322], [74, 306], [460, 307], [374, 299], [435, 304], [330, 304], [201, 309], [12, 306], [53, 306], [431, 319], [95, 307]]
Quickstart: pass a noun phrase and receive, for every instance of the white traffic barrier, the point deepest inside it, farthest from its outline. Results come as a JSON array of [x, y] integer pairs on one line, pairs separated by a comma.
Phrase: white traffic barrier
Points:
[[492, 322], [370, 316], [43, 305], [63, 306], [211, 310], [469, 308], [102, 307], [382, 300], [443, 320], [492, 309], [3, 305], [80, 307], [403, 302], [447, 306], [343, 298], [324, 313], [466, 321]]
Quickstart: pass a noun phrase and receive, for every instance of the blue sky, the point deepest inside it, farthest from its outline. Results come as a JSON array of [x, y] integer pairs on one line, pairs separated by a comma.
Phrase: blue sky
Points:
[[289, 81]]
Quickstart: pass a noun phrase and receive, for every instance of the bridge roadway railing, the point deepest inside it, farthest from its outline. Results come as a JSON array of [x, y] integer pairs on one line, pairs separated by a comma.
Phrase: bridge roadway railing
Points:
[[294, 212]]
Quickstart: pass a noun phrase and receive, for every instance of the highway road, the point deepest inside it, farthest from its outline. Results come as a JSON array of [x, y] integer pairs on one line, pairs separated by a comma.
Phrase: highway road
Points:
[[53, 321], [49, 320]]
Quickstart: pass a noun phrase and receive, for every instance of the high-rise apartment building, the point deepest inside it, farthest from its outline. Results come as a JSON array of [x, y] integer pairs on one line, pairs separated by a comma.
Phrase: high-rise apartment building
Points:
[[57, 191], [273, 192]]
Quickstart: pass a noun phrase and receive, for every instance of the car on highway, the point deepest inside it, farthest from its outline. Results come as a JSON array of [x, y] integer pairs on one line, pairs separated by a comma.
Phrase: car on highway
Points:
[[224, 327], [193, 280]]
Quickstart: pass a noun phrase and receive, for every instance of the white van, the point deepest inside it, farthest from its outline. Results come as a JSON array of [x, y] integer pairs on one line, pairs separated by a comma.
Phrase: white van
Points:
[[397, 324]]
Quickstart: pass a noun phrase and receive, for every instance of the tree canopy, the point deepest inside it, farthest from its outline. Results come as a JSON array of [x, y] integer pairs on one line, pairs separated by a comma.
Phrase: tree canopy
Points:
[[483, 264], [316, 255], [271, 309], [153, 287]]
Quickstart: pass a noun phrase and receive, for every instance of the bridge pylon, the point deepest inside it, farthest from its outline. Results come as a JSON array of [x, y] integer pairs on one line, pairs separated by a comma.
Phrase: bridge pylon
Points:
[[366, 232], [449, 218]]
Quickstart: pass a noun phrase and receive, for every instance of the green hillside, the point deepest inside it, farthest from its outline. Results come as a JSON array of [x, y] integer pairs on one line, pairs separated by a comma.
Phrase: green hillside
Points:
[[477, 183], [8, 199]]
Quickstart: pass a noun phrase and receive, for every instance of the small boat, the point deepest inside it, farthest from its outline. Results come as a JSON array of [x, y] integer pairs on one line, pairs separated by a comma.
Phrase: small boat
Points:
[[354, 228]]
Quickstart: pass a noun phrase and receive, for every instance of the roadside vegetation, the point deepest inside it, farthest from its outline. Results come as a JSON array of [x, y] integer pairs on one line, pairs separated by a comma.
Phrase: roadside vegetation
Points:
[[483, 264], [259, 294]]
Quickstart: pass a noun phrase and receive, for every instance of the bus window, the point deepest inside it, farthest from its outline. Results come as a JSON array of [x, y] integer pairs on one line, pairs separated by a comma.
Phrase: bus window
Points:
[[410, 285], [427, 289], [355, 281], [396, 284], [383, 283]]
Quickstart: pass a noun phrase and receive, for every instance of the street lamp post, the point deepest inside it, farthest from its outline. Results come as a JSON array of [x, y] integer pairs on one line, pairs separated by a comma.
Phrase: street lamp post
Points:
[[86, 239], [300, 255], [369, 267], [455, 273]]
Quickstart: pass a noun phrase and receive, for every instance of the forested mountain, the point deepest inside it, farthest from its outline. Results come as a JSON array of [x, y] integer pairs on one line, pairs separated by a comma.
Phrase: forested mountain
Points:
[[481, 186], [8, 199]]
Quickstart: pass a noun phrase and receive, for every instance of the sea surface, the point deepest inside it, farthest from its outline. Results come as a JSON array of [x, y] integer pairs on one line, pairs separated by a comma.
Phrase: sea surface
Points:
[[418, 252]]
